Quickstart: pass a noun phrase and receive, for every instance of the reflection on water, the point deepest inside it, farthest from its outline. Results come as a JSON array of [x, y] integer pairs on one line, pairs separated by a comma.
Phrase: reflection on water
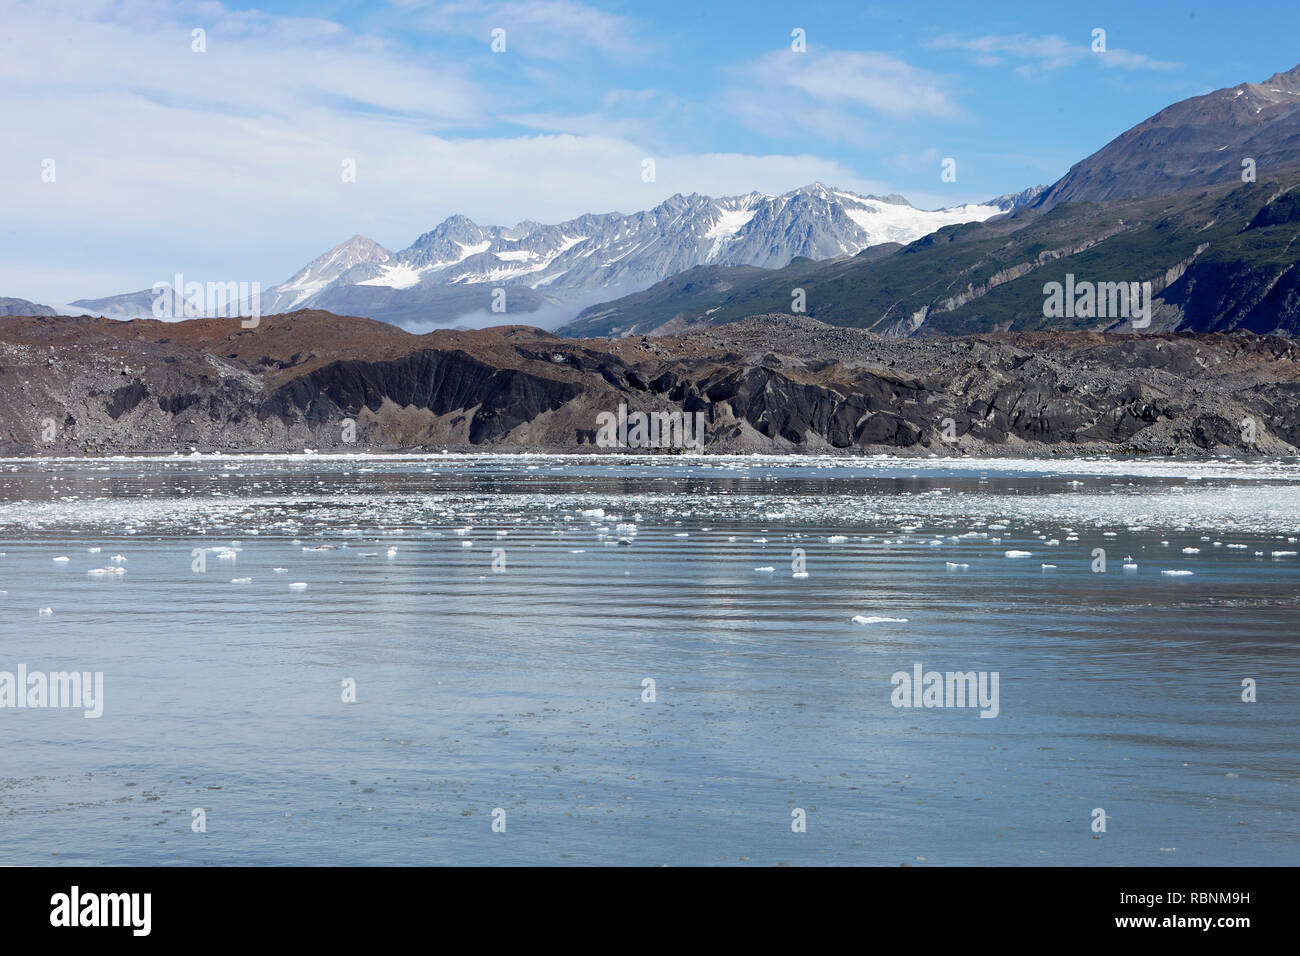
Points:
[[521, 688]]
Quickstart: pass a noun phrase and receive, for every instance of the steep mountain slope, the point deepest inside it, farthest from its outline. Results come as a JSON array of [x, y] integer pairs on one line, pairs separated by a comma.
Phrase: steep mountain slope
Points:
[[1197, 142], [1165, 203], [1216, 260], [771, 383]]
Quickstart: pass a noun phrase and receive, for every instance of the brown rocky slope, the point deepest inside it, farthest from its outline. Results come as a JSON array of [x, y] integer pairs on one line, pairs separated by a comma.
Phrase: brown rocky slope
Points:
[[773, 383]]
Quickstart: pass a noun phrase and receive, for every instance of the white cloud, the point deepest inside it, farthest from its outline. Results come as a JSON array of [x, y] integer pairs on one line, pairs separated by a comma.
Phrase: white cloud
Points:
[[551, 29], [835, 95], [219, 163], [1049, 52]]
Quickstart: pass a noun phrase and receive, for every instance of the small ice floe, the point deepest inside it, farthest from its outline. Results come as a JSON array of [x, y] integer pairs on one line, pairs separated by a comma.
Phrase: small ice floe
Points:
[[1191, 550], [1284, 554], [241, 580], [760, 540], [1176, 574], [320, 547], [392, 553], [1047, 567], [1075, 484], [117, 559], [732, 538], [1130, 566], [578, 551], [461, 532], [1017, 554], [467, 544], [93, 550], [836, 539], [44, 611], [60, 560], [681, 534], [1073, 537], [594, 513], [768, 570], [279, 570], [954, 566], [1053, 542], [867, 619], [298, 586], [1110, 534], [502, 534], [1238, 547], [626, 541], [995, 540], [799, 574], [101, 571]]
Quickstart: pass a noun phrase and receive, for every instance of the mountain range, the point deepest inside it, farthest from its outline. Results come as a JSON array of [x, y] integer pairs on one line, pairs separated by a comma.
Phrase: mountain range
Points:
[[1201, 201], [451, 271], [1199, 204]]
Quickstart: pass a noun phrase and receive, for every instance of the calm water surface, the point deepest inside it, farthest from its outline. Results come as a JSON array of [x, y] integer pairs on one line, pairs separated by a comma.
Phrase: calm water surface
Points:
[[522, 688]]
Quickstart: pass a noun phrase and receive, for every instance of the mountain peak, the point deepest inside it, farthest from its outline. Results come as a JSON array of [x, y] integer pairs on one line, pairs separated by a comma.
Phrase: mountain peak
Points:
[[1194, 143], [450, 270]]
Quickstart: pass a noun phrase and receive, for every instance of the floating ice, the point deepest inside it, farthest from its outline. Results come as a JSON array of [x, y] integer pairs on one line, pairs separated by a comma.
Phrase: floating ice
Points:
[[60, 560], [954, 566], [768, 570], [44, 611], [1176, 574], [298, 586], [1017, 554], [864, 619]]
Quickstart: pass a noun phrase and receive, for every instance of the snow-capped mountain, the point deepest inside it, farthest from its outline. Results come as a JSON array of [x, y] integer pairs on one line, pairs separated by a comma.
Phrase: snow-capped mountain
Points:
[[324, 269], [452, 270]]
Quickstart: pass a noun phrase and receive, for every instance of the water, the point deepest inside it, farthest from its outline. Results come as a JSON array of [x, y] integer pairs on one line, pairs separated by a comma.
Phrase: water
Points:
[[522, 689]]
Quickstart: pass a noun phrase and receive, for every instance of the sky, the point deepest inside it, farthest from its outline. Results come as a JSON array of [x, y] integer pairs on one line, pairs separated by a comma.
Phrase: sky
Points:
[[131, 154]]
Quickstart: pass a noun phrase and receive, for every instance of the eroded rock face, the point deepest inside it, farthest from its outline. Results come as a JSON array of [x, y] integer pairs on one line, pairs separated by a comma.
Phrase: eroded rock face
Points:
[[769, 383]]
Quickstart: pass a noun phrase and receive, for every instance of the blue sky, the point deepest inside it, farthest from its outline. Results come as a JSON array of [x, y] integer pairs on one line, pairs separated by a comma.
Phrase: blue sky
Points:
[[226, 164]]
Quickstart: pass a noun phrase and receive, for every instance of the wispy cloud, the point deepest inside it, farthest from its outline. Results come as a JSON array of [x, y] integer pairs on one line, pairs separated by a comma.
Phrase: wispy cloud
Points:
[[1040, 53], [551, 29], [170, 160], [835, 94]]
